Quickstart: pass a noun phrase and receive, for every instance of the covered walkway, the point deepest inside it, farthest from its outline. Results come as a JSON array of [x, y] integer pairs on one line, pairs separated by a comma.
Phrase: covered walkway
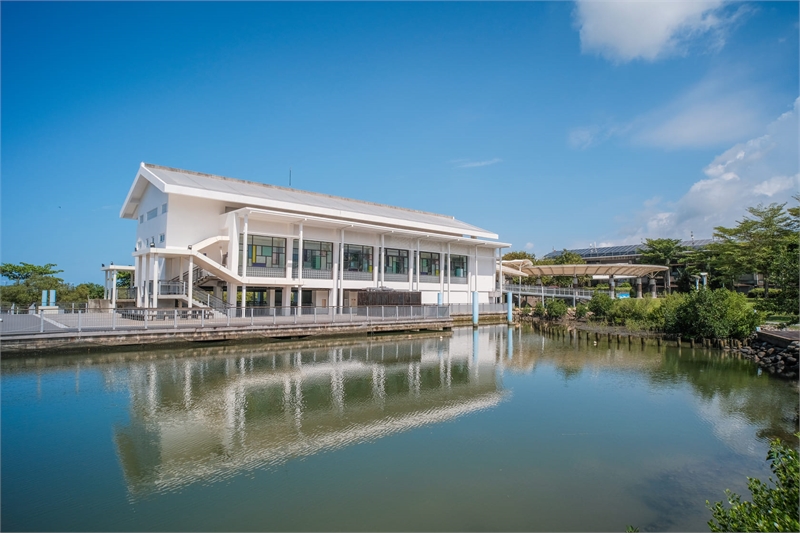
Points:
[[521, 268]]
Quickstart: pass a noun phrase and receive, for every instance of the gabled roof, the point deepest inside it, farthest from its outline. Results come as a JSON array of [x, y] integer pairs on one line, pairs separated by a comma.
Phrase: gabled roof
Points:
[[248, 193]]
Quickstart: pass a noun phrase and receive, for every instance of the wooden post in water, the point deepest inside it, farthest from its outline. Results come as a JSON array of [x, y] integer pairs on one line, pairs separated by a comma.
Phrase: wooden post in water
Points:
[[691, 342], [658, 341]]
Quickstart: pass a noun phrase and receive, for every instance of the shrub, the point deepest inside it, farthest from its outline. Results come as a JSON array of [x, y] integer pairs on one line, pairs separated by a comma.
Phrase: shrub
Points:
[[580, 310], [713, 314], [538, 310], [602, 287], [600, 304], [628, 311], [556, 308], [772, 509], [759, 293]]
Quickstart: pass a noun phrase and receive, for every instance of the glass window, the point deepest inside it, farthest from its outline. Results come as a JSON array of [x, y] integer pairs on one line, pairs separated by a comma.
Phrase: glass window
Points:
[[163, 208], [161, 238], [153, 213], [141, 219], [395, 261], [264, 251], [458, 266], [428, 264], [357, 258], [316, 255]]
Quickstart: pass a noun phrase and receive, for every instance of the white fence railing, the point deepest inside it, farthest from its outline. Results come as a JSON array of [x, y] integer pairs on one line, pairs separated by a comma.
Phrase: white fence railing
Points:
[[483, 309], [537, 290], [27, 321]]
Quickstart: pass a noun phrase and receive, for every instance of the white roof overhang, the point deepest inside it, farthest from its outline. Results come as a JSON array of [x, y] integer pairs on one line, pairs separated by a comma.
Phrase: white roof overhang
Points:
[[385, 229]]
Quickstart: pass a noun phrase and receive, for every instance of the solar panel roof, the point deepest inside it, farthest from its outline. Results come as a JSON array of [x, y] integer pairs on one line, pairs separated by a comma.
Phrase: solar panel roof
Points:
[[624, 249]]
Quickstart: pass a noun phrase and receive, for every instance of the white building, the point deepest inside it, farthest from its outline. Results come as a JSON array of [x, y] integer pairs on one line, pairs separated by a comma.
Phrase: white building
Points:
[[206, 238]]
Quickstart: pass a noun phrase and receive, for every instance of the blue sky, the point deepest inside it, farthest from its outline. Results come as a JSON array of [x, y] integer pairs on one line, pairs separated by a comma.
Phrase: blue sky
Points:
[[554, 124]]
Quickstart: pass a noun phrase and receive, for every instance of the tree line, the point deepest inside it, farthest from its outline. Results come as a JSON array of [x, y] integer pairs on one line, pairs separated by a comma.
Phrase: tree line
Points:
[[763, 242], [28, 281]]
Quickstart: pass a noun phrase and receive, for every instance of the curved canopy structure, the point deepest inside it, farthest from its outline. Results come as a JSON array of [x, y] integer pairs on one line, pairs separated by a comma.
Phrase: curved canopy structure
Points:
[[524, 267]]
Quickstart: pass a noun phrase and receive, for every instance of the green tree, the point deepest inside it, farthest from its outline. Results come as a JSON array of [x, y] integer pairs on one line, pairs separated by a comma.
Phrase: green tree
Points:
[[757, 240], [663, 252], [773, 508], [23, 271]]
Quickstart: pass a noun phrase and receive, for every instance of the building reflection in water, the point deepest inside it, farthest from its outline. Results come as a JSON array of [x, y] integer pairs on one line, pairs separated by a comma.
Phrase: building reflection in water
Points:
[[213, 417]]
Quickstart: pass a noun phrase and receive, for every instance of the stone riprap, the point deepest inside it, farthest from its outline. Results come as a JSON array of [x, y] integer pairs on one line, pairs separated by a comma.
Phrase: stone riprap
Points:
[[774, 359]]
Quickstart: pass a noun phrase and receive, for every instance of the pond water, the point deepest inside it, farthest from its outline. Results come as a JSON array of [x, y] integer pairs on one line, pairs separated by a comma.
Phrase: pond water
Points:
[[493, 429]]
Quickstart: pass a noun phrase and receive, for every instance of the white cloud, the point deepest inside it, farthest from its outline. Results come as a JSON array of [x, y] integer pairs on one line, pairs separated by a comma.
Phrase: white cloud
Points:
[[722, 108], [466, 163], [626, 30], [761, 170], [529, 246]]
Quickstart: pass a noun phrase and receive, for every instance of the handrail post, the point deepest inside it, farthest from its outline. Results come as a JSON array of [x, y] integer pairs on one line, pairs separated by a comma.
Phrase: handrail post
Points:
[[251, 316], [144, 313], [202, 318], [175, 318], [228, 314], [79, 320], [113, 320], [315, 314], [41, 320]]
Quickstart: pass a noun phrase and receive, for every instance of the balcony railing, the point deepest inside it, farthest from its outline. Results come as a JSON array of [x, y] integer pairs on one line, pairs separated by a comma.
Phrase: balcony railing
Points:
[[347, 274], [311, 273], [395, 277], [126, 293], [171, 288], [264, 272], [455, 280]]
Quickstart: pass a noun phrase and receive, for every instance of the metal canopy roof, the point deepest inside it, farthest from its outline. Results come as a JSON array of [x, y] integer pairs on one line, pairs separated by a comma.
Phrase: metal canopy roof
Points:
[[247, 193], [529, 269], [625, 249]]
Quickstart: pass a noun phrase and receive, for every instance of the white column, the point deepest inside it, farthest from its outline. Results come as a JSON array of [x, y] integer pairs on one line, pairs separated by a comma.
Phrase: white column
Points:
[[500, 276], [158, 268], [245, 261], [448, 273], [375, 275], [137, 277], [190, 280], [417, 269], [245, 248], [271, 301], [114, 290], [233, 245], [381, 251], [333, 300], [289, 260], [442, 264], [300, 268], [341, 270], [475, 273]]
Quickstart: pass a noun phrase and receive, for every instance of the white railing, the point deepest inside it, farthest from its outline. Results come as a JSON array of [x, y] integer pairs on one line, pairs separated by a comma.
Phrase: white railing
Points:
[[537, 290], [171, 288], [27, 321], [483, 309], [388, 276]]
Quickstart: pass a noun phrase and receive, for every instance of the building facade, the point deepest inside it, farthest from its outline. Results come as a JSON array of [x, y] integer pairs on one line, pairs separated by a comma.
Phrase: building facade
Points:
[[209, 240]]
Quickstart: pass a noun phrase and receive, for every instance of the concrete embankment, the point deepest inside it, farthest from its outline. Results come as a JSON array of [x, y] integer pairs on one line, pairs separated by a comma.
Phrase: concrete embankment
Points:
[[92, 341]]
